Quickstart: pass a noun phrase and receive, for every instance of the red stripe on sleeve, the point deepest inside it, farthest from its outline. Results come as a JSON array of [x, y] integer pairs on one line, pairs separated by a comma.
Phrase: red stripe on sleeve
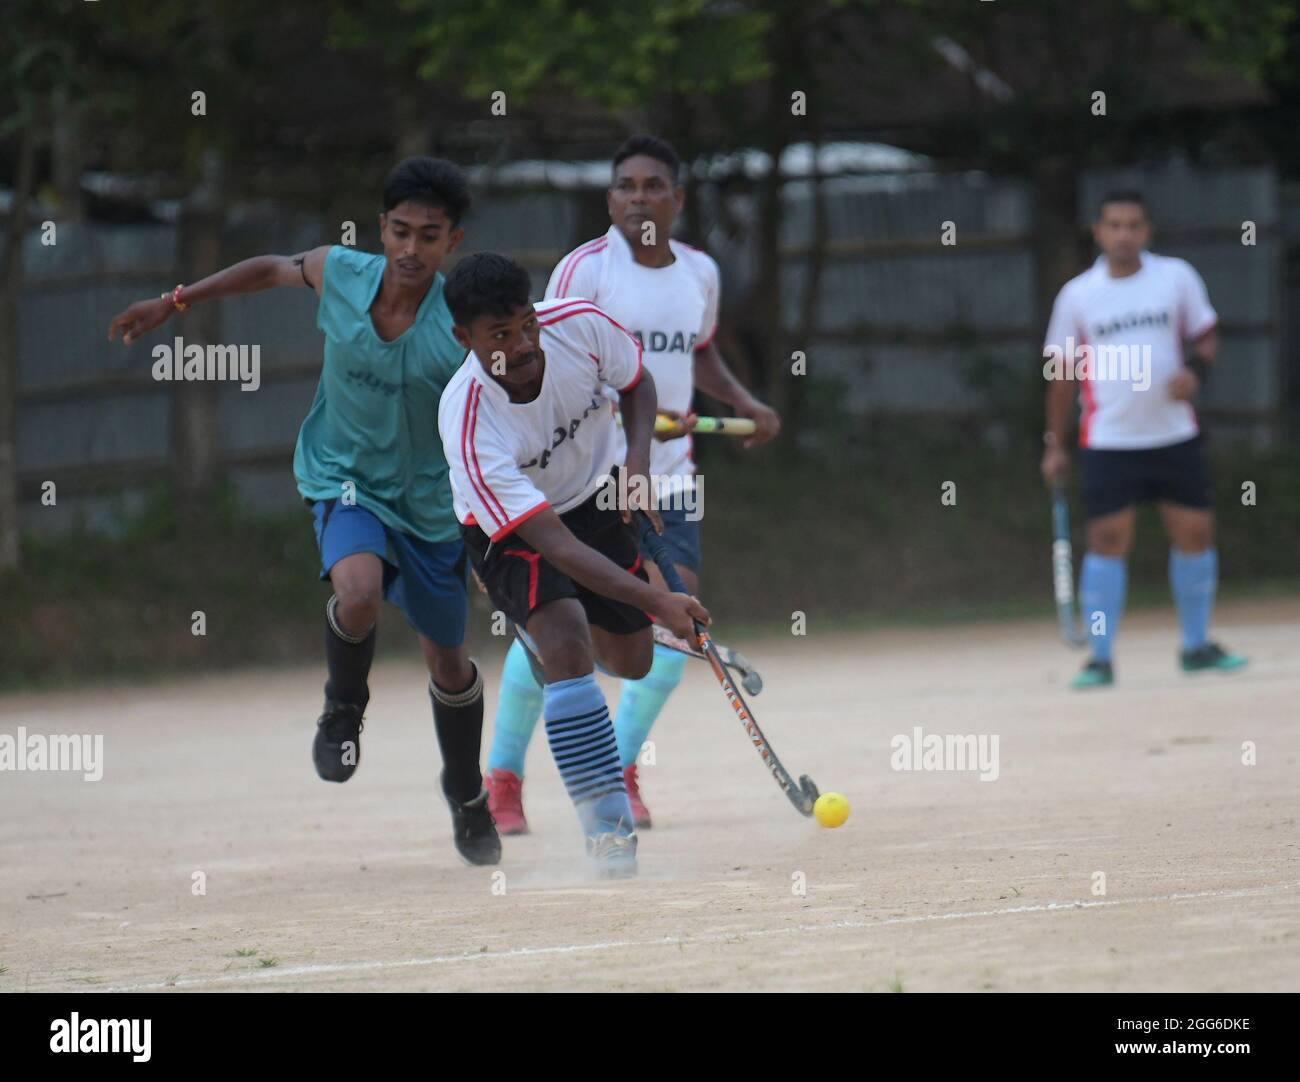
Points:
[[514, 523], [590, 307], [640, 370], [566, 276], [477, 394], [560, 305], [464, 452], [1089, 404]]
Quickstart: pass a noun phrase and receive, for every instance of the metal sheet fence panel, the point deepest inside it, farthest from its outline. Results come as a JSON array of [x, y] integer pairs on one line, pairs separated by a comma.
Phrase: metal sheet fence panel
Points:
[[905, 325]]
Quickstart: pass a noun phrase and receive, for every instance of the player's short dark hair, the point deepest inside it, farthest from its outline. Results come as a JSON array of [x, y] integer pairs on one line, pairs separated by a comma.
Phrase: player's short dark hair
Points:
[[652, 147], [486, 284], [1122, 195], [428, 180]]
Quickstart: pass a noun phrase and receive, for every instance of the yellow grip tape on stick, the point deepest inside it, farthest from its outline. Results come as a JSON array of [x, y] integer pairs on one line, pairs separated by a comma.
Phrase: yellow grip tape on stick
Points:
[[711, 426]]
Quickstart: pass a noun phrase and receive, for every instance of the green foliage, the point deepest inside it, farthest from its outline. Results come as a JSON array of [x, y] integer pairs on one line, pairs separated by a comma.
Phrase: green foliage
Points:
[[1246, 37], [1249, 38], [614, 54]]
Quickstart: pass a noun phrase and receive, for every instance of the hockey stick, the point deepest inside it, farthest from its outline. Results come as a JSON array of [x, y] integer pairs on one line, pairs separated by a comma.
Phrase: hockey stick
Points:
[[711, 426], [750, 678], [1063, 569], [707, 426], [802, 794], [734, 660]]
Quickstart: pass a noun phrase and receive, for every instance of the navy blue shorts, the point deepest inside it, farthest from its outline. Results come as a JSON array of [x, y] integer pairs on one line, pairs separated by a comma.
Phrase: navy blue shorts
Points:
[[1114, 480], [425, 579], [681, 537]]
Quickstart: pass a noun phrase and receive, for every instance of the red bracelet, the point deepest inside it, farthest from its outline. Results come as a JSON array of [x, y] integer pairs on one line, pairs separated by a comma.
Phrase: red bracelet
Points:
[[175, 298]]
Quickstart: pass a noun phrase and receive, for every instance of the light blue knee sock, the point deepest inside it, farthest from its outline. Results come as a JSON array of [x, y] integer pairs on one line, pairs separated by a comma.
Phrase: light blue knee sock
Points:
[[518, 708], [1194, 576], [643, 699], [582, 742], [1101, 590]]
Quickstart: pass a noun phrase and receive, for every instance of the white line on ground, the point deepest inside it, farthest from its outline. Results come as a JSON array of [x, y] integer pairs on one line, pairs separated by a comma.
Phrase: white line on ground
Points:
[[671, 941]]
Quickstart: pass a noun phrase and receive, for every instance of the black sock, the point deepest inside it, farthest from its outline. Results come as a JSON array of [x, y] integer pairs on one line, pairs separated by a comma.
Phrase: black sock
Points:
[[348, 659], [458, 721]]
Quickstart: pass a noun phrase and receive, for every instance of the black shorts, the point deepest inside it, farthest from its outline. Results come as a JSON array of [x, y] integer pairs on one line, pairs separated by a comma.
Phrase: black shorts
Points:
[[1114, 480], [519, 581]]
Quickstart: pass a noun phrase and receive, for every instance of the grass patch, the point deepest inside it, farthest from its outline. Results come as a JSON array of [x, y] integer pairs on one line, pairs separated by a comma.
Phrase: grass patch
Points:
[[855, 541]]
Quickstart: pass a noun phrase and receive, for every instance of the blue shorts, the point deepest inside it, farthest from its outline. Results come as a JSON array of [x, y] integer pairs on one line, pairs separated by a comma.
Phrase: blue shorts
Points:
[[425, 579], [1114, 480], [681, 537]]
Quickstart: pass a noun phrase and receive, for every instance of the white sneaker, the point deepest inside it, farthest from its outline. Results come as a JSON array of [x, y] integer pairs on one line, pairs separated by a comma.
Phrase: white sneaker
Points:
[[613, 854]]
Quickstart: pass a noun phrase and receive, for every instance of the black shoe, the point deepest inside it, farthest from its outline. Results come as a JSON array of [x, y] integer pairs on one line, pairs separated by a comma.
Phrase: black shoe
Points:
[[1096, 674], [474, 831], [1210, 656], [337, 748]]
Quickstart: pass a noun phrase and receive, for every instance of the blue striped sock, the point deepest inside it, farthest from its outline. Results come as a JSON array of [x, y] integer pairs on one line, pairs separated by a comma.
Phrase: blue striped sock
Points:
[[518, 708], [582, 742]]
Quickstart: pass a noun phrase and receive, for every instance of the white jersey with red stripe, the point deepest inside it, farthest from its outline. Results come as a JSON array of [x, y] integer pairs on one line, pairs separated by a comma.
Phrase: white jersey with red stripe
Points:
[[510, 460], [1144, 317], [672, 311]]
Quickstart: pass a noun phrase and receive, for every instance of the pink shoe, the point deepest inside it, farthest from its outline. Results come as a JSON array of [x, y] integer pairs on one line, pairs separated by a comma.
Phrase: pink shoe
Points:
[[639, 811], [506, 801]]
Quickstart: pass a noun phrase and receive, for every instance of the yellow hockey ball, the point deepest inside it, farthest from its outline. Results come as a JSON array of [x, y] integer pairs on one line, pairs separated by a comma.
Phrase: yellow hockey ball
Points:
[[831, 809]]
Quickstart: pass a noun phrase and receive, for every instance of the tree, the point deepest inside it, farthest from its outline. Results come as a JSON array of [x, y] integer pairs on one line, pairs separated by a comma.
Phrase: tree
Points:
[[36, 70]]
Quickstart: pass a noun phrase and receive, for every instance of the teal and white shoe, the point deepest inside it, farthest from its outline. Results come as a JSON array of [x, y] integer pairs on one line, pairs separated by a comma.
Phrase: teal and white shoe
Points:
[[613, 854], [1210, 656], [1096, 674]]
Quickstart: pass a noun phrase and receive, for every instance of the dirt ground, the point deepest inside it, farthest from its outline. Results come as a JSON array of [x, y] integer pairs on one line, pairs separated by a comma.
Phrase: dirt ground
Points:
[[938, 881]]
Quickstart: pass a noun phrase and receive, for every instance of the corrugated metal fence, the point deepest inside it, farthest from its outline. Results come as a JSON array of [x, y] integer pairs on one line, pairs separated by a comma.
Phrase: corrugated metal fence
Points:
[[901, 321]]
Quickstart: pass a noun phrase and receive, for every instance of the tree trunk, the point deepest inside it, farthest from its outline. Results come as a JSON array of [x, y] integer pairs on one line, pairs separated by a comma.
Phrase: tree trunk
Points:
[[1059, 250], [10, 296], [782, 388], [681, 133], [194, 404], [67, 156], [413, 127], [810, 304]]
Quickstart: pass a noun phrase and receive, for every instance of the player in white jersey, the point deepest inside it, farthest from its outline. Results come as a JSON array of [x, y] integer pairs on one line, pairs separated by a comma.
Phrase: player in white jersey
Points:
[[529, 435], [666, 294], [1117, 333]]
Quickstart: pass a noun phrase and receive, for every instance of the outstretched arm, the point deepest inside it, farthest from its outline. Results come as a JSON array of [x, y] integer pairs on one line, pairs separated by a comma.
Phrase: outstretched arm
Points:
[[249, 276], [716, 379]]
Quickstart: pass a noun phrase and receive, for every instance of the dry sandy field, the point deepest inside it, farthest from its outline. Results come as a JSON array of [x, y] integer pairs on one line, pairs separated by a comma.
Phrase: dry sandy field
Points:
[[1143, 837]]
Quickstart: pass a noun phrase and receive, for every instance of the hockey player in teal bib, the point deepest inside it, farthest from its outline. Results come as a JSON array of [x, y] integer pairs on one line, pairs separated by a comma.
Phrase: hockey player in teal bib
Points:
[[369, 425], [369, 461]]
